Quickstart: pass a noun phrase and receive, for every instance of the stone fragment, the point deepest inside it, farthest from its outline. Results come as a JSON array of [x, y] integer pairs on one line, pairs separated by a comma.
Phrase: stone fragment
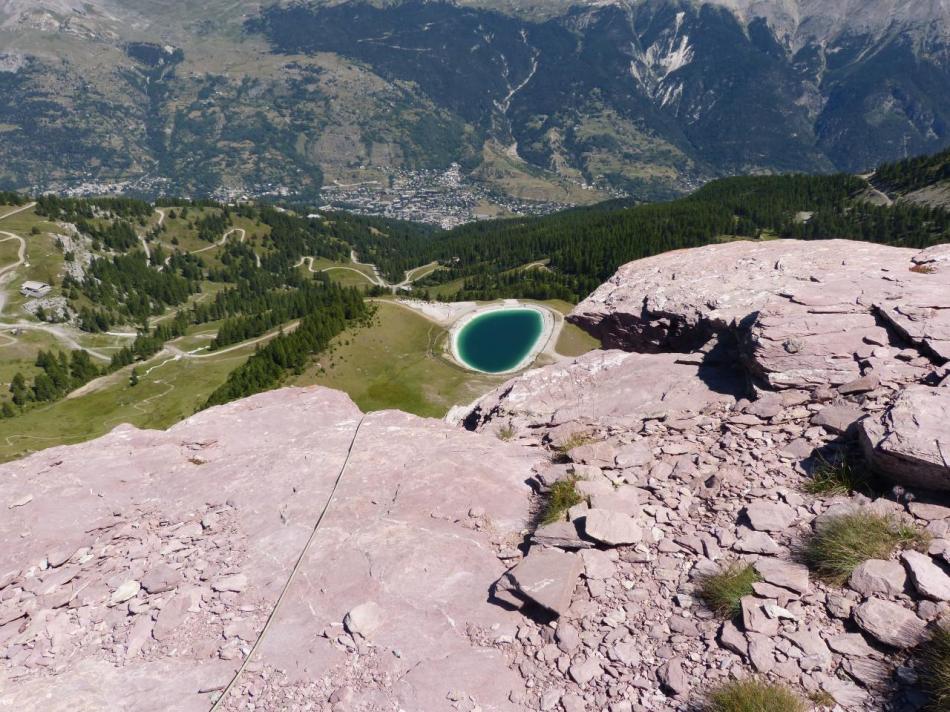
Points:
[[160, 579], [752, 542], [585, 671], [733, 639], [546, 577], [126, 591], [817, 655], [673, 677], [364, 620], [172, 615], [234, 583], [890, 623], [929, 579], [846, 694], [761, 652], [838, 419], [634, 455], [928, 512], [864, 384], [877, 576], [754, 617], [852, 644], [770, 516], [786, 574], [564, 535], [611, 528]]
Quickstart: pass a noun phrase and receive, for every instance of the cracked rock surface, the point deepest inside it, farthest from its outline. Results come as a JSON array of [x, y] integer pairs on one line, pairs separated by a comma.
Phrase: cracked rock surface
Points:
[[144, 565]]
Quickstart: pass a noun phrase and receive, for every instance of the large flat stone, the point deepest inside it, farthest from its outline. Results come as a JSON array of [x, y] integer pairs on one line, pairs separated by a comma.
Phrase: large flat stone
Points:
[[890, 623], [546, 577], [910, 442]]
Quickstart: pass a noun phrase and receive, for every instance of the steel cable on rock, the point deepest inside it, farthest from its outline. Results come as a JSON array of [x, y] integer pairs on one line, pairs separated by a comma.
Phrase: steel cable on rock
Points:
[[218, 704]]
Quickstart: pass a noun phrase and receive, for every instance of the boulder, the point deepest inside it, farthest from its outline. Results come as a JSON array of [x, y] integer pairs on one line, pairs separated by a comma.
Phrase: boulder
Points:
[[877, 576], [770, 516], [606, 386], [611, 528], [909, 443], [929, 579], [800, 311], [890, 623], [546, 577]]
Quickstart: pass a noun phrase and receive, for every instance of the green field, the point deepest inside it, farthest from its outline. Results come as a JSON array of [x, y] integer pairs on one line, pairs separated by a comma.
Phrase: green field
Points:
[[347, 274], [173, 390], [398, 363]]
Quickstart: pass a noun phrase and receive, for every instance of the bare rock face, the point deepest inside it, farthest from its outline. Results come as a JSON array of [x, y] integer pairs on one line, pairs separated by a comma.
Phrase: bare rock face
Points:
[[910, 442], [607, 386], [804, 314], [180, 542]]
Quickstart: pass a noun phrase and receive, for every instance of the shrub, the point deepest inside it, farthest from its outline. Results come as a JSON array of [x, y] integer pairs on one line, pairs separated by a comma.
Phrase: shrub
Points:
[[723, 592], [561, 497], [754, 696], [837, 477], [935, 677], [837, 547]]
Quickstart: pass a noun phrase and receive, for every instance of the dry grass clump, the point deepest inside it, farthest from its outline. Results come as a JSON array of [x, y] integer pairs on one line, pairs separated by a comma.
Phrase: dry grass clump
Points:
[[923, 269], [935, 677], [561, 497], [506, 432], [837, 477], [840, 545], [723, 592], [754, 696]]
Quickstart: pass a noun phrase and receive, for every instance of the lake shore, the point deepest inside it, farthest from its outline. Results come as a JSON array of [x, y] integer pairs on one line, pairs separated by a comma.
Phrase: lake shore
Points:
[[548, 332]]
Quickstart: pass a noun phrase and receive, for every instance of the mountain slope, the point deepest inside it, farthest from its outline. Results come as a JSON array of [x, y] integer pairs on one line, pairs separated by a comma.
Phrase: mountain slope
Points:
[[650, 97]]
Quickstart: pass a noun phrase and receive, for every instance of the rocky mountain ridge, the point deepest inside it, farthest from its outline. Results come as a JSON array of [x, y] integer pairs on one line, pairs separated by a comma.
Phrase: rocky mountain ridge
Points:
[[652, 98], [427, 581]]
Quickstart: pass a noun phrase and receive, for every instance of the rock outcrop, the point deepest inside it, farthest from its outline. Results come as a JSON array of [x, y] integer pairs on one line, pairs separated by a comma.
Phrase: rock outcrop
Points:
[[805, 314]]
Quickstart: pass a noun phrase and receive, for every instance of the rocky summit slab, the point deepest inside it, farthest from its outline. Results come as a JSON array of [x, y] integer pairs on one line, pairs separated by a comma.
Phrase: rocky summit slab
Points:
[[184, 541]]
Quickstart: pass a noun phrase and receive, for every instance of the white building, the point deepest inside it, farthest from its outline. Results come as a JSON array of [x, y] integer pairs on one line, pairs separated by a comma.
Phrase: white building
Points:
[[36, 290]]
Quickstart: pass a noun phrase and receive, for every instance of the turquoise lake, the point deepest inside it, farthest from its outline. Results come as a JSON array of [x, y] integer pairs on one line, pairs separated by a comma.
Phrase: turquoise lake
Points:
[[498, 341]]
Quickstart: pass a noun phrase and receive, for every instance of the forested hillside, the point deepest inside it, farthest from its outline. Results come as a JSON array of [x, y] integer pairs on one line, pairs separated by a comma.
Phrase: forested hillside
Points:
[[913, 174], [583, 247]]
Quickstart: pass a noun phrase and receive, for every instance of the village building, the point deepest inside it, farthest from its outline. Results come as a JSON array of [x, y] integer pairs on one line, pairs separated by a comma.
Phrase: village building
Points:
[[35, 290]]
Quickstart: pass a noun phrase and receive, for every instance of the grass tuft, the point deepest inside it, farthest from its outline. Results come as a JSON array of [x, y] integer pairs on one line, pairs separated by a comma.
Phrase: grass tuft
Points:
[[839, 546], [754, 696], [561, 497], [506, 432], [723, 592], [822, 699], [923, 269], [837, 477], [935, 677]]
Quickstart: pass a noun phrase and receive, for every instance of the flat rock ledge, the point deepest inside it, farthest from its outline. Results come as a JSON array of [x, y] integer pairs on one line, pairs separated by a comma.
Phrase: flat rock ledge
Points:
[[138, 570]]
